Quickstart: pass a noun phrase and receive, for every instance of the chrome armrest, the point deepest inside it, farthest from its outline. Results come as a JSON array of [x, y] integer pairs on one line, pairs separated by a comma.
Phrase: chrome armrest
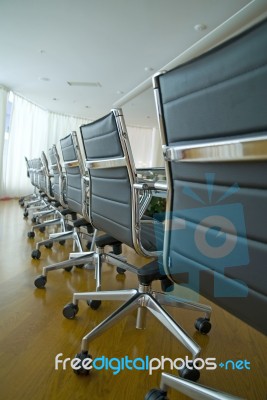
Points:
[[159, 185], [151, 174], [71, 164], [144, 186], [252, 148]]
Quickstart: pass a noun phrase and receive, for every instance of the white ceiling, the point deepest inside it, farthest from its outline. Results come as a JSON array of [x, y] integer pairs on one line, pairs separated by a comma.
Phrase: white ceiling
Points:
[[106, 42]]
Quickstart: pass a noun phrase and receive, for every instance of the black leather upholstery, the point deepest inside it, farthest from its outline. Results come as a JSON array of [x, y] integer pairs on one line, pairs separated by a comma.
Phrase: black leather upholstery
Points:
[[74, 179], [56, 173], [222, 94], [111, 199]]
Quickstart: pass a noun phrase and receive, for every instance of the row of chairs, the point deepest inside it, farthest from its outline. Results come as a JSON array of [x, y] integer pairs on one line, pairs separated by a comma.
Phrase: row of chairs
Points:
[[205, 135], [113, 194]]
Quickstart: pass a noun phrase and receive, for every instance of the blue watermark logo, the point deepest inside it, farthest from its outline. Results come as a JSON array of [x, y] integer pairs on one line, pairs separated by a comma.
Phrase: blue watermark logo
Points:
[[209, 235]]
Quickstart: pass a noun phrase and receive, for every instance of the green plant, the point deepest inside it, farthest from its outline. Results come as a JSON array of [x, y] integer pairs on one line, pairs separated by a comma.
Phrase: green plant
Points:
[[157, 205]]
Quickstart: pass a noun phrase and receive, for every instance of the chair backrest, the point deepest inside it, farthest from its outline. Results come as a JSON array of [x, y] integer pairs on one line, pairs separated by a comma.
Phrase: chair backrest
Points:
[[46, 185], [27, 166], [114, 203], [37, 178], [31, 171], [75, 191], [58, 176], [213, 123]]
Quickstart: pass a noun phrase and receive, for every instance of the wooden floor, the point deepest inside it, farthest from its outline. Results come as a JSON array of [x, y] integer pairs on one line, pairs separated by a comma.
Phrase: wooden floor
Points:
[[33, 331]]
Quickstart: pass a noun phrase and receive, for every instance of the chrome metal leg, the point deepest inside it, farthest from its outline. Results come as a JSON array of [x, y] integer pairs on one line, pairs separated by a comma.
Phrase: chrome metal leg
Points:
[[163, 316], [81, 254], [119, 295], [76, 241], [117, 315], [93, 240], [169, 300], [66, 264], [98, 269], [43, 213], [56, 221], [192, 389], [55, 238]]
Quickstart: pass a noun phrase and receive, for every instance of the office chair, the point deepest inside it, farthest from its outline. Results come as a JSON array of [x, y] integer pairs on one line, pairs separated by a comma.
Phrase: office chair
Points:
[[33, 195], [51, 205], [77, 199], [213, 125], [36, 176], [114, 208], [70, 192], [46, 188]]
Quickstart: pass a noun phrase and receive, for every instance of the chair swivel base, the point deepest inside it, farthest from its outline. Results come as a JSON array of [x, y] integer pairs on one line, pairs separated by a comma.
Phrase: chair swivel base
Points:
[[143, 299], [41, 280], [60, 237]]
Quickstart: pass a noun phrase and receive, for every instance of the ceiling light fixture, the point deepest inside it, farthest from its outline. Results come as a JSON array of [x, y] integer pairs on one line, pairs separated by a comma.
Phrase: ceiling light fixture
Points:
[[200, 27], [149, 69], [88, 84]]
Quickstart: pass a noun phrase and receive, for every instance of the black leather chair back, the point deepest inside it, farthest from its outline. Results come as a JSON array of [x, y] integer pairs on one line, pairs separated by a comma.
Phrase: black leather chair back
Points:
[[213, 120], [111, 175], [74, 195]]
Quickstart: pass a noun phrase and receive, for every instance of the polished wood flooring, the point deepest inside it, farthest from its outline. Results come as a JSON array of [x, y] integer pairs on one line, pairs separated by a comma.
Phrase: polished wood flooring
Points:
[[33, 331]]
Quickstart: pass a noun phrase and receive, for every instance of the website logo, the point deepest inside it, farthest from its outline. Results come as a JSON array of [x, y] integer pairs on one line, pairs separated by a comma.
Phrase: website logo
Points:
[[116, 365]]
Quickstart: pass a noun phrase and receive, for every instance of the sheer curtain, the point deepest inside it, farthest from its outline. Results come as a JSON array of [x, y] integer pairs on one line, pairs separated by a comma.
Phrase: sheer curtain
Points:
[[3, 103], [28, 136], [146, 147], [60, 125], [32, 131]]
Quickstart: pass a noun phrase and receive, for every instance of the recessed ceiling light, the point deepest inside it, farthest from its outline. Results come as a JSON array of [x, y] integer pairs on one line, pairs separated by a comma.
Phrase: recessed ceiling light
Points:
[[149, 69], [43, 78], [55, 99], [200, 27]]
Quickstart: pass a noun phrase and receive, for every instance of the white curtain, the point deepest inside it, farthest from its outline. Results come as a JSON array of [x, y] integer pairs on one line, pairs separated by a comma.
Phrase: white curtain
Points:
[[27, 137], [61, 125], [3, 103], [32, 131], [146, 147]]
